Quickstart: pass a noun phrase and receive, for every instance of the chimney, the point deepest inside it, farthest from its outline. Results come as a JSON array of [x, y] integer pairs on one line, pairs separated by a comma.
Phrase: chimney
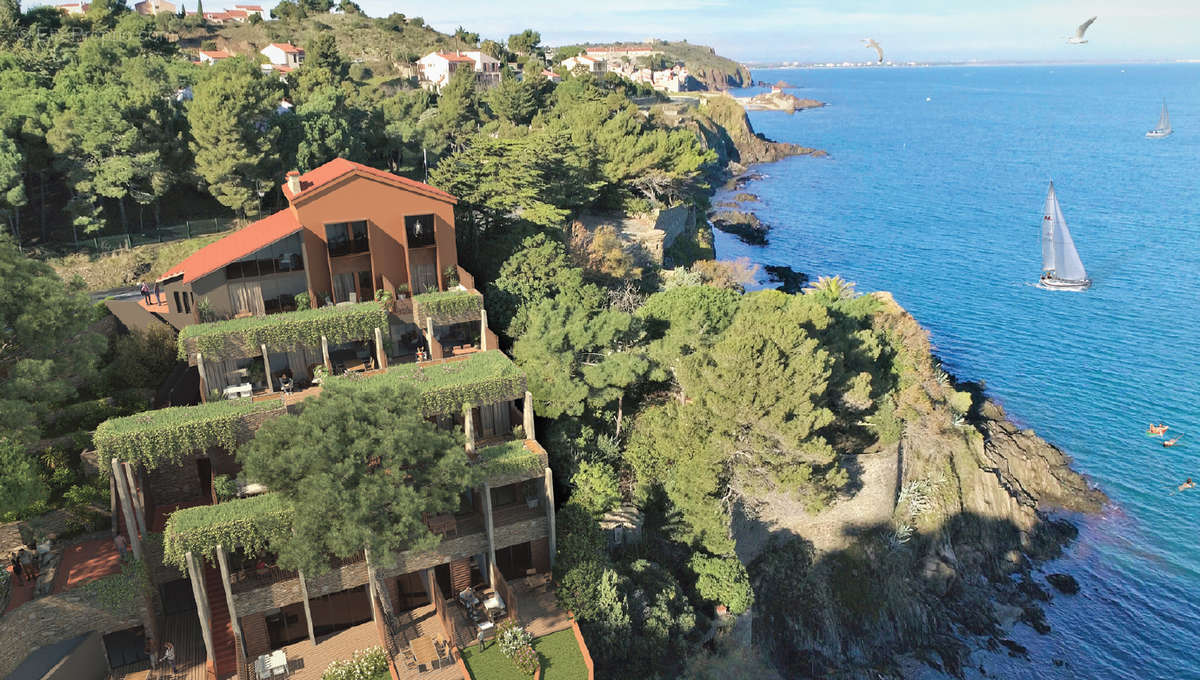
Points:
[[293, 182]]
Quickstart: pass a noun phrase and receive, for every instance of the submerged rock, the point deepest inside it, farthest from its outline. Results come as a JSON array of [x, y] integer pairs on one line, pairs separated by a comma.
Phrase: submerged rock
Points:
[[1064, 583]]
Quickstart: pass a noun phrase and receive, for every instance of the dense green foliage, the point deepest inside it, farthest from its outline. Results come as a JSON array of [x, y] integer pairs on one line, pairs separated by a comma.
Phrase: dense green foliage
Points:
[[164, 436], [239, 338], [481, 378], [366, 664], [121, 594], [253, 526], [361, 466], [447, 306], [510, 460]]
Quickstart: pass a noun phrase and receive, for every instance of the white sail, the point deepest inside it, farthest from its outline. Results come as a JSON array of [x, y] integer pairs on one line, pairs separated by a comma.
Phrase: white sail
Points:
[[1164, 121], [1067, 265], [1048, 214]]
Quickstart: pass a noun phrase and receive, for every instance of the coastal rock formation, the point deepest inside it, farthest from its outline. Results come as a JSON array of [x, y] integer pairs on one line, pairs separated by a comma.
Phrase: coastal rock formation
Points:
[[789, 280], [778, 101], [722, 126], [745, 225], [931, 551]]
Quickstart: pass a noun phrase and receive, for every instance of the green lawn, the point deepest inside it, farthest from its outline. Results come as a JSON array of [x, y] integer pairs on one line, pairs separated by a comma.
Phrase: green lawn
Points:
[[559, 652]]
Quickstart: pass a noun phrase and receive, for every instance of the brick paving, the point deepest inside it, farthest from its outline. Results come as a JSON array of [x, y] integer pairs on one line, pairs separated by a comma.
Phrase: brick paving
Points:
[[85, 562], [307, 661]]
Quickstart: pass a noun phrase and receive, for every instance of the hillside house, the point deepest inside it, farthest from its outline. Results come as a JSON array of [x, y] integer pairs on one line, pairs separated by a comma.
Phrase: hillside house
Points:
[[210, 57], [348, 231], [251, 9], [283, 54], [592, 65], [74, 8], [436, 68]]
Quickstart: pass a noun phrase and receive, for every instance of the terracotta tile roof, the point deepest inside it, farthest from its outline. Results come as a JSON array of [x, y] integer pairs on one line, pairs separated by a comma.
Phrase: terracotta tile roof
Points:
[[340, 167], [450, 56], [235, 246], [251, 8], [287, 47], [216, 54]]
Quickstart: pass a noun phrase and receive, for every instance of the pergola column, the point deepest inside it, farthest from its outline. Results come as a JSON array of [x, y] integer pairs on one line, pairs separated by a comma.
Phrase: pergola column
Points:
[[549, 492], [127, 509], [325, 354], [380, 354], [196, 575], [483, 329], [376, 587], [139, 510], [307, 610], [528, 416], [203, 381], [491, 531], [223, 564], [267, 368], [431, 341], [469, 430]]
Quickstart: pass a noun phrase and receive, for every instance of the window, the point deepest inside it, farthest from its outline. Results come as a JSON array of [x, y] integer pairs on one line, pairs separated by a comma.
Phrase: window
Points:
[[187, 307], [420, 230], [365, 290], [178, 304], [346, 238]]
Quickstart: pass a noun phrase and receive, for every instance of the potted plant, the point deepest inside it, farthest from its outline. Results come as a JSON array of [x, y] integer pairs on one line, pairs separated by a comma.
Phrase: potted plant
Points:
[[319, 374], [451, 276], [402, 290], [303, 301], [384, 297]]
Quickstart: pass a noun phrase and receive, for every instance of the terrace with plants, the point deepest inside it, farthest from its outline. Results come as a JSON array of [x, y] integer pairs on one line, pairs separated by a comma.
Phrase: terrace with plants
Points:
[[512, 461], [447, 307], [165, 436], [249, 525], [243, 338], [479, 378]]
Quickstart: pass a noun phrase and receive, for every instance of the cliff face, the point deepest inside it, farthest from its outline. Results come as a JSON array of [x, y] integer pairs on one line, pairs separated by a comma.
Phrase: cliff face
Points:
[[971, 500], [713, 71], [723, 126]]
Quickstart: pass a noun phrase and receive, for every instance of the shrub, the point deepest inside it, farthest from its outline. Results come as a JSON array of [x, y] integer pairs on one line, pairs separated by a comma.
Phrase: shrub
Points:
[[526, 659], [723, 580], [225, 487], [511, 637], [303, 301], [366, 664], [595, 487]]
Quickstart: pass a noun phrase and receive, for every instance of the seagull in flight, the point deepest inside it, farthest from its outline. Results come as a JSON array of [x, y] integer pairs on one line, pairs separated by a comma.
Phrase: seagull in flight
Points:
[[875, 46], [1078, 38]]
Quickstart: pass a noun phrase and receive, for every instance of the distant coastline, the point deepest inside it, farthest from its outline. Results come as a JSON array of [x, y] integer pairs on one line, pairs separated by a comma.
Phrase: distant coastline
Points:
[[787, 65]]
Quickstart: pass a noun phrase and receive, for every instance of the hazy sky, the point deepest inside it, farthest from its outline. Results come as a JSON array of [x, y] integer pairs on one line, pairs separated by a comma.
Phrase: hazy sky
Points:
[[813, 30]]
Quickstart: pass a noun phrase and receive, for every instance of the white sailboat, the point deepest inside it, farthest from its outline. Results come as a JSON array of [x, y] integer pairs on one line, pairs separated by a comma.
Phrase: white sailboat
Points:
[[1061, 267], [1164, 124]]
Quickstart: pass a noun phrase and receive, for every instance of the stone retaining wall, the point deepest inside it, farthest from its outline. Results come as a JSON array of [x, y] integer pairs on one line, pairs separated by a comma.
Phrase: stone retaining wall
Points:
[[53, 618]]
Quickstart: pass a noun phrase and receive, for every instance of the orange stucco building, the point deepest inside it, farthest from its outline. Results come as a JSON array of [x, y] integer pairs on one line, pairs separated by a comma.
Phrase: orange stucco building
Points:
[[348, 231]]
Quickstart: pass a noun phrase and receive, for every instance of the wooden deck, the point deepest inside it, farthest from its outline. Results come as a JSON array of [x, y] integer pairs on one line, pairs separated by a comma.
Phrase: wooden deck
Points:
[[182, 630], [538, 607], [307, 661], [423, 622]]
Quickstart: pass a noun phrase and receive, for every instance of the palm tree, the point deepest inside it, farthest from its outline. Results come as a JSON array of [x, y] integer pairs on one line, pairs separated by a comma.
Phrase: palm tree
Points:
[[833, 287]]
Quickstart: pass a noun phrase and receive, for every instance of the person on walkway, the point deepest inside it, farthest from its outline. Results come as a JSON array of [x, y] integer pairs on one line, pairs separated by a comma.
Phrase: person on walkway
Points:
[[122, 548], [157, 293], [18, 571], [169, 656], [27, 565], [145, 292]]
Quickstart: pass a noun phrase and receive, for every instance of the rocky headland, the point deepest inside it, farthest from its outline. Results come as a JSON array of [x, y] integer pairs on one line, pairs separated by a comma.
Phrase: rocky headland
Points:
[[934, 548], [778, 101], [745, 225]]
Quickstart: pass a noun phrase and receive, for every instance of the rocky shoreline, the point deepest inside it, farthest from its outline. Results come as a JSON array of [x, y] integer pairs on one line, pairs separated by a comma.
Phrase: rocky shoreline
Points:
[[976, 505], [778, 101]]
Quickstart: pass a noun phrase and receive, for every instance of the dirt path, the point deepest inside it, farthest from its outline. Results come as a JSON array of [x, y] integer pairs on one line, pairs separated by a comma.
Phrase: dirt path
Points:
[[834, 527]]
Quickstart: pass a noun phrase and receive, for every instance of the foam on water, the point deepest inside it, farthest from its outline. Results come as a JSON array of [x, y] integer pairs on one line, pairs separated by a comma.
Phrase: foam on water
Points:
[[939, 202]]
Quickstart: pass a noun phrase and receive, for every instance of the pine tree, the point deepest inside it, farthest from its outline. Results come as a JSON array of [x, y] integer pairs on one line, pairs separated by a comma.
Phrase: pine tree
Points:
[[233, 148]]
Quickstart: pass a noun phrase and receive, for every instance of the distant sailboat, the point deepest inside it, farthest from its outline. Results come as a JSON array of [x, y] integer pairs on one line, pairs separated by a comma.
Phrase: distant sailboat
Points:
[[1164, 124], [1061, 267]]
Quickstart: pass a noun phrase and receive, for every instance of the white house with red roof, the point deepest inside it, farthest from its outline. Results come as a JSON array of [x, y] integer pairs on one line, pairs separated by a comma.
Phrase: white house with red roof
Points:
[[73, 7], [593, 65], [250, 9], [210, 57], [283, 54], [438, 67]]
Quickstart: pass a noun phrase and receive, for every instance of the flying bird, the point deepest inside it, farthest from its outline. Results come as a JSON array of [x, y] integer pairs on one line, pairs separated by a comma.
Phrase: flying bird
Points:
[[875, 46], [1078, 38]]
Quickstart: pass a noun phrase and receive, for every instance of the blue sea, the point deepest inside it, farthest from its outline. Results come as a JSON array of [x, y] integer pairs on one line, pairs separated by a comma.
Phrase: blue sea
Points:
[[933, 191]]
